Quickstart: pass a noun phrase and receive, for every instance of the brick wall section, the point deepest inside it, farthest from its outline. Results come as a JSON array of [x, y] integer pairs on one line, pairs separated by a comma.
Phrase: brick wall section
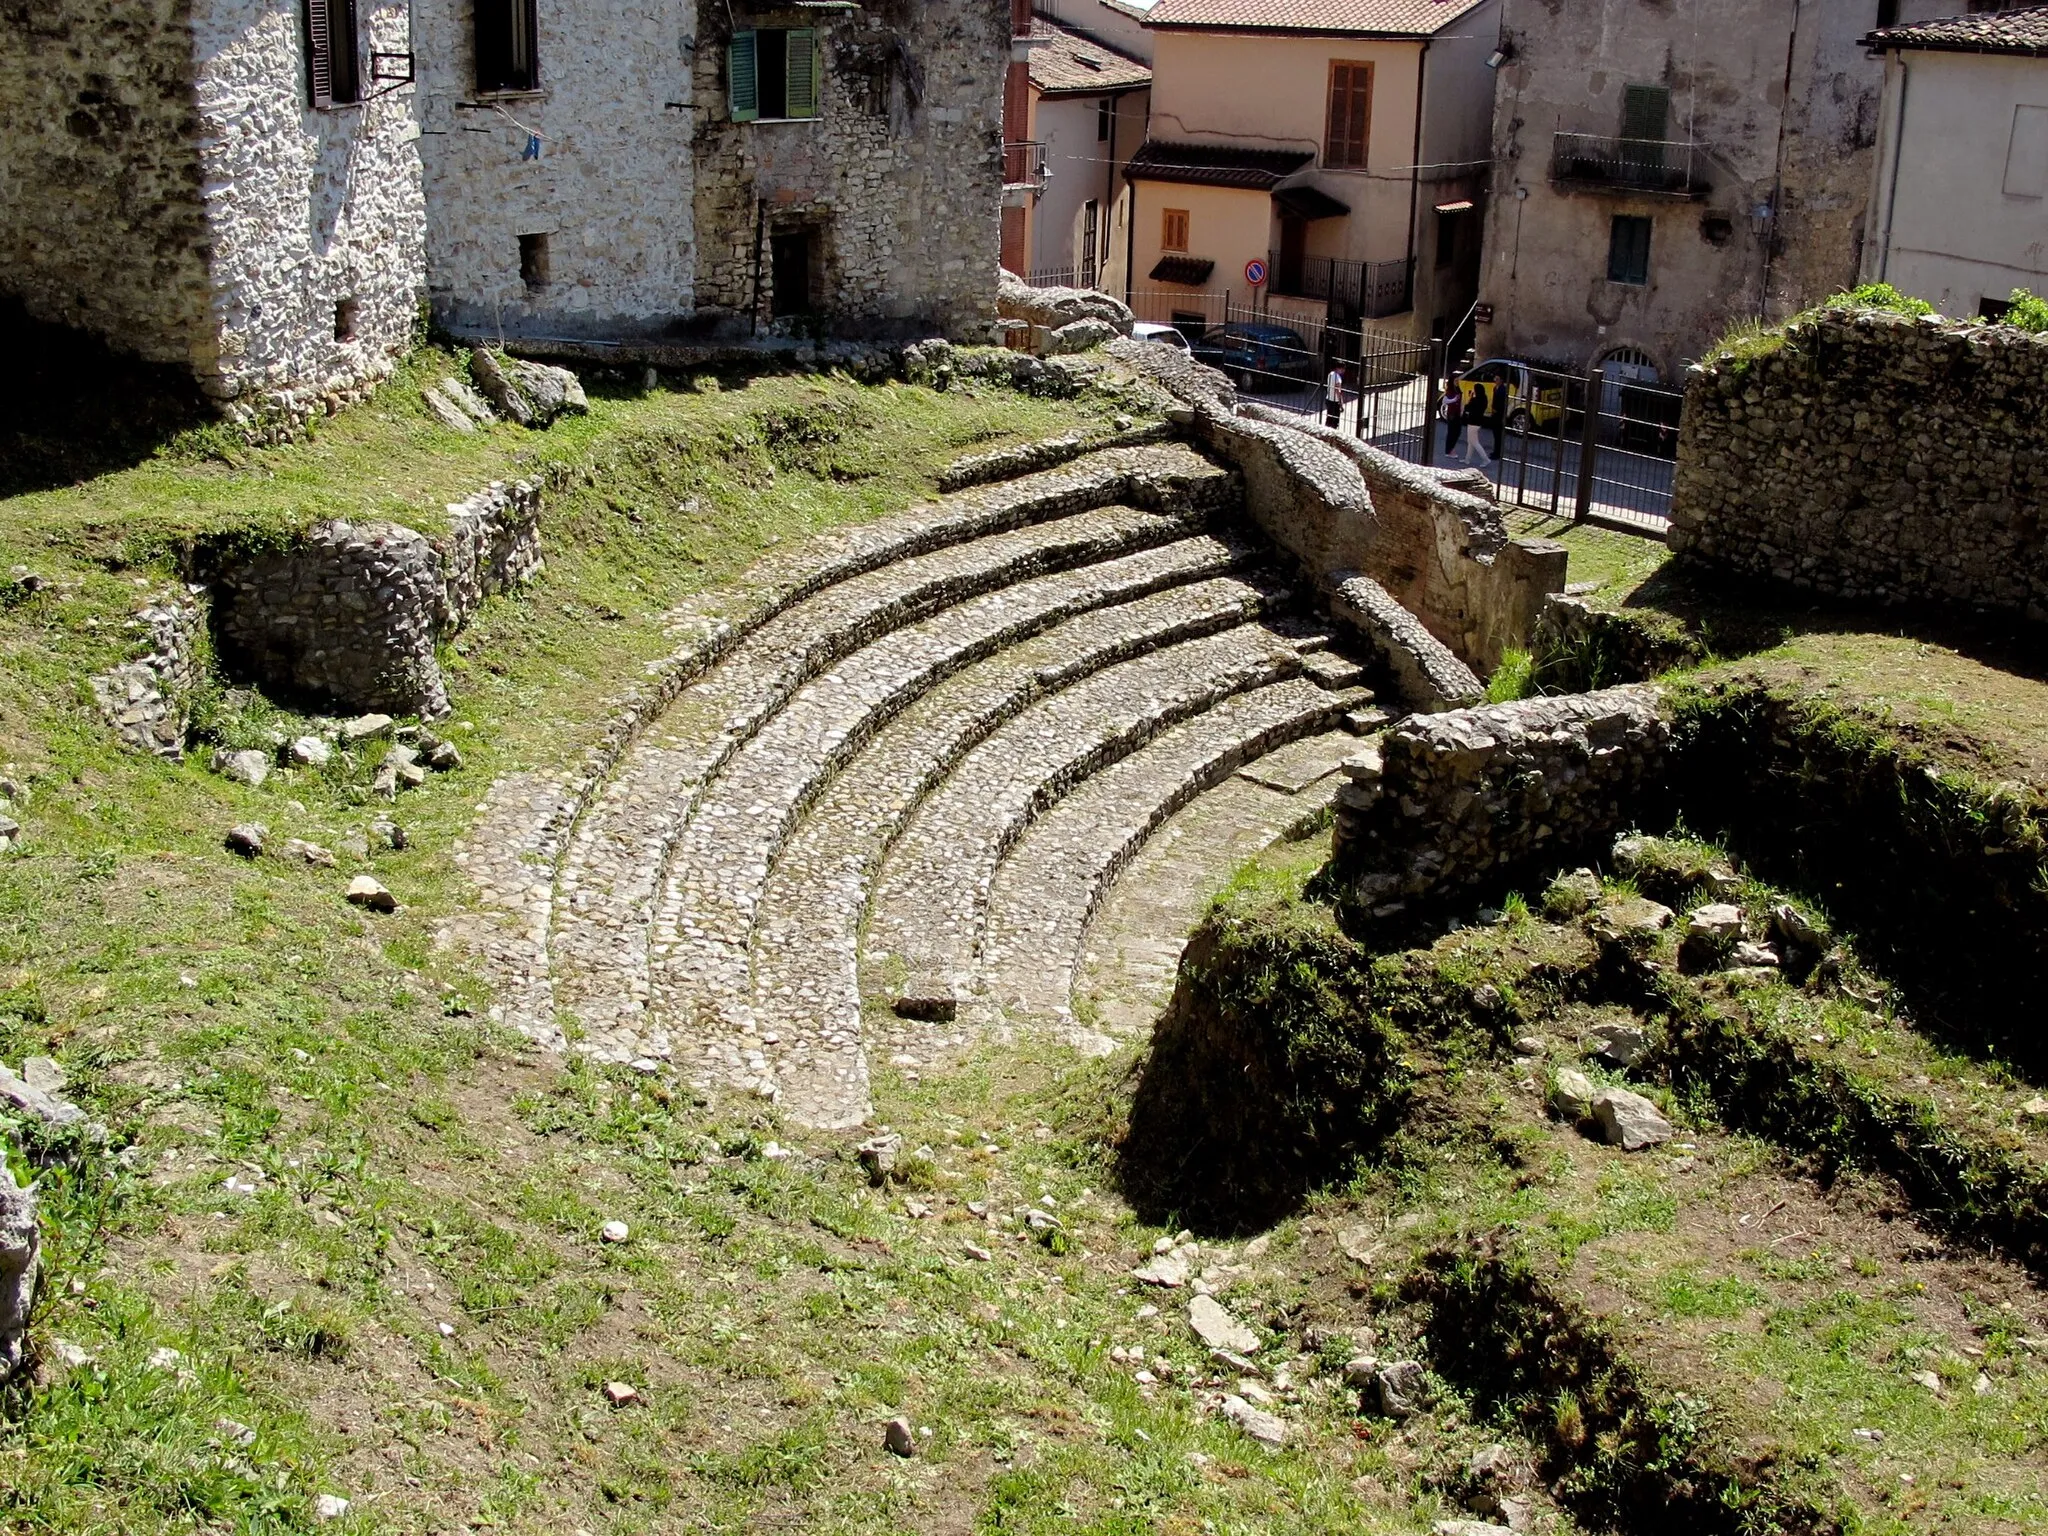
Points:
[[903, 205], [100, 216], [1873, 456], [1452, 802]]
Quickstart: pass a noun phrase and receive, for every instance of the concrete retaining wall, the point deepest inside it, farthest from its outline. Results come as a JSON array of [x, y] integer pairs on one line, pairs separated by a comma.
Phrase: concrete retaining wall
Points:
[[1873, 456]]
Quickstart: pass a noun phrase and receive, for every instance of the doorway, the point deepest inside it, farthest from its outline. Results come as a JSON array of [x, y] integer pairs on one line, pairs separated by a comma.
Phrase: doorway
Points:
[[790, 273]]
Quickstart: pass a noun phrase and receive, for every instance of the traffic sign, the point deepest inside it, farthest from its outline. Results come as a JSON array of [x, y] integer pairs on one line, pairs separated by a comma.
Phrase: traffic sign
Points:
[[1255, 272]]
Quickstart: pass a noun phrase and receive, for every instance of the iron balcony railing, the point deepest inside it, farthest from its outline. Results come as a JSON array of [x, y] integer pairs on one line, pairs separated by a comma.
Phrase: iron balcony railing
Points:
[[1367, 289], [1024, 164], [1673, 167]]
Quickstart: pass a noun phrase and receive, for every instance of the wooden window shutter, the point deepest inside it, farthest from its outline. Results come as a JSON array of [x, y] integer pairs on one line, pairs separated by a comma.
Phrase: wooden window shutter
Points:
[[743, 78], [319, 54], [1645, 112], [803, 72], [1350, 115]]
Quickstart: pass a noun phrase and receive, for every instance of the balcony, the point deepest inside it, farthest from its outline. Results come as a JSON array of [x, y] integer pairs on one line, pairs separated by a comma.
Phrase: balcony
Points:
[[1024, 170], [1653, 167], [1368, 290]]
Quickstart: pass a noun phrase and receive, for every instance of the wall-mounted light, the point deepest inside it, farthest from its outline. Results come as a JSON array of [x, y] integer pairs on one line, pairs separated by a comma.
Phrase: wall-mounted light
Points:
[[1500, 55]]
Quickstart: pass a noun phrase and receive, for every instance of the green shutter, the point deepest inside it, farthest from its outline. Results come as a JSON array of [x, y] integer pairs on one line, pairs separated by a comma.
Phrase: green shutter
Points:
[[803, 72], [743, 78], [1645, 112]]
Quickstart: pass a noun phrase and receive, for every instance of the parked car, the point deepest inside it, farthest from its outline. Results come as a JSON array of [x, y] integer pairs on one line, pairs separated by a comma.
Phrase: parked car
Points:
[[1165, 335], [1532, 402], [1259, 356]]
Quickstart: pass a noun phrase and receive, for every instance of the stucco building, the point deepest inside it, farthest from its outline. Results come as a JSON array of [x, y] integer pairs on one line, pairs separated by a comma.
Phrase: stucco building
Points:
[[1664, 169], [1342, 143], [1959, 195], [266, 192]]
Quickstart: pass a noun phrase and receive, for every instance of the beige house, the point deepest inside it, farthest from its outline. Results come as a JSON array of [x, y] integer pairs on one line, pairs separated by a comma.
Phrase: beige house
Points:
[[1664, 171], [1088, 106], [1342, 144], [1959, 197]]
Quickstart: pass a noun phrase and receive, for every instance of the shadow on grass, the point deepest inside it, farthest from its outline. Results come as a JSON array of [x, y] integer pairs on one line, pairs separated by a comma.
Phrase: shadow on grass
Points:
[[72, 408]]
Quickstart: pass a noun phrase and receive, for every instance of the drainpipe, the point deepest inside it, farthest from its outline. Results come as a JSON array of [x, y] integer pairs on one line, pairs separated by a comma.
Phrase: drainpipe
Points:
[[1891, 197], [1414, 177], [760, 225], [1778, 166]]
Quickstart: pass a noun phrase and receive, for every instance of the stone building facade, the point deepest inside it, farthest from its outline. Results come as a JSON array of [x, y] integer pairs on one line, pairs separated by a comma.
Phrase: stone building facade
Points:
[[265, 191], [1660, 172], [166, 183]]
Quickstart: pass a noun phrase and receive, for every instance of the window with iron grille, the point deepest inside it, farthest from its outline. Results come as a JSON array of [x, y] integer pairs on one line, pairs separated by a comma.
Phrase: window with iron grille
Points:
[[1628, 250], [1350, 115], [333, 58], [774, 74], [507, 47]]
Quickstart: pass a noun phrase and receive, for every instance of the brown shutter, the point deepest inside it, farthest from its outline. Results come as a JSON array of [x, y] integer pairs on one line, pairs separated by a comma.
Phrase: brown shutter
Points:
[[319, 54], [1350, 114]]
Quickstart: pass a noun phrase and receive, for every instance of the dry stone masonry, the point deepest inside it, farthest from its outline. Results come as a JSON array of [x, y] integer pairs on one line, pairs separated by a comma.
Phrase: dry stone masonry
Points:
[[1447, 803], [144, 700], [1872, 455]]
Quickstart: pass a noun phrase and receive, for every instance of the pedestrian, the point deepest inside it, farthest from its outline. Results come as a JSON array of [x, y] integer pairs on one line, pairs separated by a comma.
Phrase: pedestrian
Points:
[[1333, 396], [1452, 410], [1477, 410]]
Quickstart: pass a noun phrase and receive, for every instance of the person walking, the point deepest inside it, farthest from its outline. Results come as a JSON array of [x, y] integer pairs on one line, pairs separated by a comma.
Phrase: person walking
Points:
[[1452, 410], [1477, 412], [1333, 396]]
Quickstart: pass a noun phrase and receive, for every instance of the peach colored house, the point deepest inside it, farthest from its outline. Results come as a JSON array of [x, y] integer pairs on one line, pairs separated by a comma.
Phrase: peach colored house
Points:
[[1344, 144]]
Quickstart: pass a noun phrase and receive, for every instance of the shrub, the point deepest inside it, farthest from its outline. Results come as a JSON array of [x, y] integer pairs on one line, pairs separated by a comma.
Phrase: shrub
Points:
[[1883, 296], [2029, 311]]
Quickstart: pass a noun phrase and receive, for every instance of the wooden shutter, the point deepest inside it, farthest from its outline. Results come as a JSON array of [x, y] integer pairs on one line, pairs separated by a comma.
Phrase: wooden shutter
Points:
[[1350, 114], [1173, 233], [1645, 112], [344, 59], [743, 78], [803, 72], [319, 57]]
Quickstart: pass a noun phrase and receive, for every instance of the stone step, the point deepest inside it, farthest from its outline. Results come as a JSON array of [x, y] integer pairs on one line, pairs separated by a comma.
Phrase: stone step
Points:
[[930, 895], [1065, 922], [800, 1033], [616, 861], [722, 857]]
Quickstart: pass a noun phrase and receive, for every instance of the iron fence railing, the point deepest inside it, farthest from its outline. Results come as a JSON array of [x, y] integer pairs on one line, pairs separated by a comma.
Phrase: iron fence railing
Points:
[[1369, 290], [1636, 165], [1055, 277], [1024, 164]]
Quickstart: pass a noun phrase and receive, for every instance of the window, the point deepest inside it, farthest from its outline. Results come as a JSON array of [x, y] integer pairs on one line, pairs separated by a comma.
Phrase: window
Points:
[[1645, 112], [2026, 153], [1628, 250], [1350, 115], [773, 74], [1173, 230], [1091, 214], [533, 260], [1105, 114], [333, 61], [1887, 13], [507, 57], [789, 269], [345, 319]]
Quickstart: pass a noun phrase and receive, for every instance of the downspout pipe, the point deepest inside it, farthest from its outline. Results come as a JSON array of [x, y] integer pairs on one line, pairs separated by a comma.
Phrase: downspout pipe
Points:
[[1891, 197], [1414, 175]]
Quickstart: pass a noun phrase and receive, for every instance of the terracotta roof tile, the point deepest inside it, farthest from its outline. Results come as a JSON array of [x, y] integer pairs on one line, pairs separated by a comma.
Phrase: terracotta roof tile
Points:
[[1215, 165], [1064, 61], [1371, 18], [2021, 31]]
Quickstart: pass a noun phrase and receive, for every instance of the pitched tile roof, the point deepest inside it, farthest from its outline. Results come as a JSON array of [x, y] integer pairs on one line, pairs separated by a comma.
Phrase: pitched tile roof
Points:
[[1365, 18], [1215, 165], [1064, 61], [2021, 31]]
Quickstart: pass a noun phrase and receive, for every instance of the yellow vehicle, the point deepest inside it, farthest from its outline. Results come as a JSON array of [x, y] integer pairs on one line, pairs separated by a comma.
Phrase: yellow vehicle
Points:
[[1533, 404]]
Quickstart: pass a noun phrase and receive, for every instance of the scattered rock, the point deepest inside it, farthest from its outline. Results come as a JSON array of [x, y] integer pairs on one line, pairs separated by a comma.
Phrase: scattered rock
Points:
[[1868, 1436], [444, 758], [446, 411], [20, 1258], [1571, 1095], [1717, 922], [1748, 954], [329, 1506], [1164, 1269], [1361, 1372], [878, 1156], [1360, 1244], [234, 1432], [459, 392], [532, 394], [620, 1393], [1928, 1380], [1631, 918], [43, 1074], [367, 891], [43, 1104], [614, 1232], [356, 845], [1790, 926], [1215, 1327], [1403, 1389], [246, 838], [1266, 1428], [386, 833], [1469, 1528], [976, 1252], [1617, 1045], [309, 752], [2035, 1108], [1256, 1248], [308, 853], [247, 766], [1078, 336], [1628, 1120], [365, 728], [1529, 1045], [165, 1358], [898, 1439], [10, 833], [1571, 895]]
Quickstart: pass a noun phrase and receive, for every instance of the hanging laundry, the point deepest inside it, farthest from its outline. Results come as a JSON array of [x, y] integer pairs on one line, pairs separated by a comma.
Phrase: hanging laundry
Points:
[[532, 150]]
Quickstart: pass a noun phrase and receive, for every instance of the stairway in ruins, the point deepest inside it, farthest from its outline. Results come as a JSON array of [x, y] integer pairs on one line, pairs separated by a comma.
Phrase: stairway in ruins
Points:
[[943, 767]]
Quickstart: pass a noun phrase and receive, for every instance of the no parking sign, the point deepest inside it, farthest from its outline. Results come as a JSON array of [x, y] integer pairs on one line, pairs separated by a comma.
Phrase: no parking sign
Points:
[[1255, 272]]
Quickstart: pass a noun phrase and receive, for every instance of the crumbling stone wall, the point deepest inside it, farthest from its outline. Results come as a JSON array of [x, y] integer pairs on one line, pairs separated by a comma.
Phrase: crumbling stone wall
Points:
[[144, 699], [1445, 803], [903, 204], [1873, 456], [351, 613], [101, 224], [612, 190]]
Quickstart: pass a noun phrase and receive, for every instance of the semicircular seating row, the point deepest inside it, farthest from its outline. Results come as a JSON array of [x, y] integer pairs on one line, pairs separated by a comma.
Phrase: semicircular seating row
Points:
[[888, 815]]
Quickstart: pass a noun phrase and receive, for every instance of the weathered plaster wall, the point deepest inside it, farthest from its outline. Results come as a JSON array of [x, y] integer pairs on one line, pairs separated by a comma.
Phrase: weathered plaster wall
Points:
[[613, 189], [905, 205], [100, 211], [307, 210], [1874, 456]]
